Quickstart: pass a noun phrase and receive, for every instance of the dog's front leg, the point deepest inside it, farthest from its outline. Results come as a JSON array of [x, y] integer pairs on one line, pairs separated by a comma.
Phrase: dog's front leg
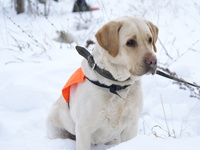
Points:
[[83, 138], [129, 132]]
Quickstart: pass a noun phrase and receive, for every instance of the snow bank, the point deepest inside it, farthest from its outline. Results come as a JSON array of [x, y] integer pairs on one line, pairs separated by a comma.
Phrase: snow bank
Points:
[[151, 143], [34, 68]]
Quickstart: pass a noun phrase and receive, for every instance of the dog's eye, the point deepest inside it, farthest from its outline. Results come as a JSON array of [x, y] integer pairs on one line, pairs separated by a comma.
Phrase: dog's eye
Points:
[[150, 40], [131, 43]]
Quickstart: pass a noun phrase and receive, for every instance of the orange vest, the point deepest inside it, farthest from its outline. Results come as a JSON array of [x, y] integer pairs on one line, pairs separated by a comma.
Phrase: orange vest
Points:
[[76, 78]]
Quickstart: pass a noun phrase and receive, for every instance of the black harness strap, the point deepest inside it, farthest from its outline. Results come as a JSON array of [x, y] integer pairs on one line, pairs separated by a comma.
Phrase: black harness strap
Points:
[[113, 88]]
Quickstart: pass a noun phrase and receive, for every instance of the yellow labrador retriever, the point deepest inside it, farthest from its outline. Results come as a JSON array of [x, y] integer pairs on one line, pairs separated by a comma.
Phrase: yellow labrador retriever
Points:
[[97, 114]]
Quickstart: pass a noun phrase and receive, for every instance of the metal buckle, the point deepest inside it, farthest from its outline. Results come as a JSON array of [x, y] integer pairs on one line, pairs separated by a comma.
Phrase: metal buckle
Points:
[[93, 66], [91, 62]]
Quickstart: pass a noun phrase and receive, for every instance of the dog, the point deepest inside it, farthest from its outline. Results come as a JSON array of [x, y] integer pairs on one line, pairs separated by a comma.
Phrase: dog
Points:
[[96, 114]]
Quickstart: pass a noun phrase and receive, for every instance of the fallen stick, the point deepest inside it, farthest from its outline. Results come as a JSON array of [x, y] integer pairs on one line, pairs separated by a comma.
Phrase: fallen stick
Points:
[[175, 78]]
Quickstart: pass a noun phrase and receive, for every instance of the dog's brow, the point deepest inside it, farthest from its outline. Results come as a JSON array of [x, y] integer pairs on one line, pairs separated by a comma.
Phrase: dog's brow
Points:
[[134, 37], [148, 35]]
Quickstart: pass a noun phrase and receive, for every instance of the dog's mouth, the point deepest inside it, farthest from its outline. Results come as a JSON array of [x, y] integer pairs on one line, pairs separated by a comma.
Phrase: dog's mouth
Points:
[[151, 70], [142, 70]]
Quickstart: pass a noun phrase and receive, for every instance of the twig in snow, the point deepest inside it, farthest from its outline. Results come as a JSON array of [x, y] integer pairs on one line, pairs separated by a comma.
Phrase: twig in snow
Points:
[[184, 85], [189, 49], [29, 35], [164, 48]]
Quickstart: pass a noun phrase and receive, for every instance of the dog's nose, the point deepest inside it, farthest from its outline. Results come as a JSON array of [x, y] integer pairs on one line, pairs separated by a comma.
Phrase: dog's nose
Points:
[[150, 60]]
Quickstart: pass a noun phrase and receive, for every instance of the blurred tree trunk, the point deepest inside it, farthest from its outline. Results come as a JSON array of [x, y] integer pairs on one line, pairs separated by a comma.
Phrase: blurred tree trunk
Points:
[[19, 6], [42, 1]]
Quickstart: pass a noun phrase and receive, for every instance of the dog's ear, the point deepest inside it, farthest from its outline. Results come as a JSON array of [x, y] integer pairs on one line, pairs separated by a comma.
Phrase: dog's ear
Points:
[[154, 30], [108, 37]]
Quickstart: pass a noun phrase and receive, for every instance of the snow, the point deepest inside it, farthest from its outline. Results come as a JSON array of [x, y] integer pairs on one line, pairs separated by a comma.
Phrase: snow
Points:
[[34, 68], [152, 143]]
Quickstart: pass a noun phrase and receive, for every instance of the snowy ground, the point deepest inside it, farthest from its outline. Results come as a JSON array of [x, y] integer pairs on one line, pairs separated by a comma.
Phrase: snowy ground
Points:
[[34, 68]]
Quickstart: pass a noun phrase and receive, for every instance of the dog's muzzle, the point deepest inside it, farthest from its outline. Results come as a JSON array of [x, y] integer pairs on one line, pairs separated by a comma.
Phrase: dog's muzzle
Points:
[[151, 64]]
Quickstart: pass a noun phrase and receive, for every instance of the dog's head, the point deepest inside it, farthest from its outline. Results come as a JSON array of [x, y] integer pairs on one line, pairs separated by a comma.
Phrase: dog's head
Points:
[[130, 42]]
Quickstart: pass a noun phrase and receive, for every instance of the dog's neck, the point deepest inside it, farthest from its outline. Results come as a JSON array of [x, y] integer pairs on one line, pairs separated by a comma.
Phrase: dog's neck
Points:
[[94, 65], [107, 62], [107, 68]]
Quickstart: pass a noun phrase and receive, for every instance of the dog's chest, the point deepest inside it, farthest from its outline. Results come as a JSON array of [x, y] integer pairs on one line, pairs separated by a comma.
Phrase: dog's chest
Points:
[[117, 115], [117, 112]]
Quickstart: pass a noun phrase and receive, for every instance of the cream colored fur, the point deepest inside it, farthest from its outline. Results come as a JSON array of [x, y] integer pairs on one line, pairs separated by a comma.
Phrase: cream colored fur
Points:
[[97, 116]]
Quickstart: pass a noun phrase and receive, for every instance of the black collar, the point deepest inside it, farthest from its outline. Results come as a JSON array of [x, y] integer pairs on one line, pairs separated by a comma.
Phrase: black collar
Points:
[[83, 52], [113, 88]]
